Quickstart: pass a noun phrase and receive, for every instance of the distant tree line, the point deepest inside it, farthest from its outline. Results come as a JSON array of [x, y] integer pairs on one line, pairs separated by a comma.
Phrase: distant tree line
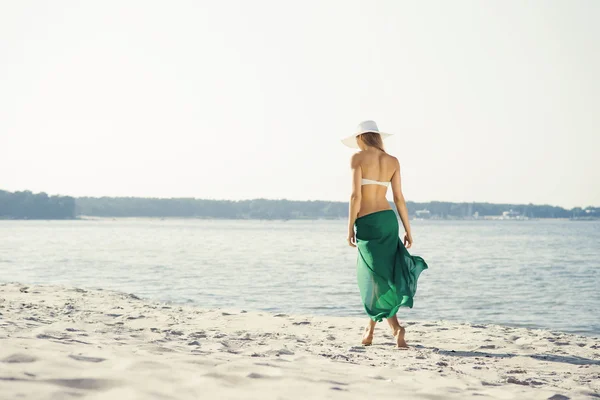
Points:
[[188, 207], [445, 210], [287, 209], [26, 205]]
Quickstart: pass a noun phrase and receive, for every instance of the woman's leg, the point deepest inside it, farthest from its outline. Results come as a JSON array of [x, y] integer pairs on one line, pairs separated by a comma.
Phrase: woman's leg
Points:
[[398, 332], [367, 338]]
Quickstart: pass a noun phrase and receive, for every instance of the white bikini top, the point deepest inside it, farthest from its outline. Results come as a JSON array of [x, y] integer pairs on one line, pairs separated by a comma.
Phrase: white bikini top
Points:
[[372, 182]]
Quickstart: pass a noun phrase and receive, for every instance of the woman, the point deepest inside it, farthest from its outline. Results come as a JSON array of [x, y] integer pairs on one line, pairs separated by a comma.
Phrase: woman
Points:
[[387, 273]]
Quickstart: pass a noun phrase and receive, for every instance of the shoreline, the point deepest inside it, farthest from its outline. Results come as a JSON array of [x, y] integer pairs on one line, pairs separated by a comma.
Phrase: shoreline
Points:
[[355, 315], [61, 342]]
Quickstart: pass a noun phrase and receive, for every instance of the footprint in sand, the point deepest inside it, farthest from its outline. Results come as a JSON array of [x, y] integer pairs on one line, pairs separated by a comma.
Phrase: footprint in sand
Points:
[[19, 358], [86, 359], [84, 383], [338, 389], [254, 375], [527, 382], [160, 350], [45, 336], [357, 349], [280, 352]]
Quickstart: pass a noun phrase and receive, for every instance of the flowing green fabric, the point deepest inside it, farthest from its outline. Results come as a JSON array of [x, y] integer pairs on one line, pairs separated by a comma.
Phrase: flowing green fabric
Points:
[[387, 273]]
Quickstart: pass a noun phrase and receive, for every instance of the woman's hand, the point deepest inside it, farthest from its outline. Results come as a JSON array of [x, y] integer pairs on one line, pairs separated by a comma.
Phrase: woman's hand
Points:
[[408, 240], [351, 239]]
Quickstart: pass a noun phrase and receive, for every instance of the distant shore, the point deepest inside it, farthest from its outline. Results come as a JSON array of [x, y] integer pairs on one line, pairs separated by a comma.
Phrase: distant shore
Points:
[[28, 205], [62, 342]]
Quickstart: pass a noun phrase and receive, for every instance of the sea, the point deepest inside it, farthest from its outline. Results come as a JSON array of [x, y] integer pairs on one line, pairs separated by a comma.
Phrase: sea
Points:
[[531, 273]]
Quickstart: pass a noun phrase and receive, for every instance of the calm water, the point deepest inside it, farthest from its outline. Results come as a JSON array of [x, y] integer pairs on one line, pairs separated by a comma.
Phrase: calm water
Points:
[[531, 273]]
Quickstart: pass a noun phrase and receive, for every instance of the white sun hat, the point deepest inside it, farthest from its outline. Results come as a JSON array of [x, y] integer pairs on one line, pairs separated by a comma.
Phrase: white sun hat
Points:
[[363, 127]]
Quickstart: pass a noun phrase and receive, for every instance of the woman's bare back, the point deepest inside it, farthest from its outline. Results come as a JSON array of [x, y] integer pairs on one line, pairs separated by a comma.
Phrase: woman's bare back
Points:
[[378, 166]]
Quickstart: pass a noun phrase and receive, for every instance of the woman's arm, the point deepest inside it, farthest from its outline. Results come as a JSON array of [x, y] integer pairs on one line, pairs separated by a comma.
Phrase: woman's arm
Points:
[[401, 205], [355, 198]]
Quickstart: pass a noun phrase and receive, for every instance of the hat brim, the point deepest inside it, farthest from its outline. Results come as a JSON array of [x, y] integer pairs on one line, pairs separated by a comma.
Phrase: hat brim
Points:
[[351, 142]]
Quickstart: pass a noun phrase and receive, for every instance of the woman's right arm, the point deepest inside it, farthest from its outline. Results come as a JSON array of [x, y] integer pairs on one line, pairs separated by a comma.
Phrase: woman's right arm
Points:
[[355, 198], [401, 205]]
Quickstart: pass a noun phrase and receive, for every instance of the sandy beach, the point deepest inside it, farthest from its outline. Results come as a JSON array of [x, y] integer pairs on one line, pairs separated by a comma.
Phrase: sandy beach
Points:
[[61, 343]]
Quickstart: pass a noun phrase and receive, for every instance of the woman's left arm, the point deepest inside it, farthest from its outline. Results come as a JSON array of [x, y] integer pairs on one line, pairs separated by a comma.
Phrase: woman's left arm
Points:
[[355, 198]]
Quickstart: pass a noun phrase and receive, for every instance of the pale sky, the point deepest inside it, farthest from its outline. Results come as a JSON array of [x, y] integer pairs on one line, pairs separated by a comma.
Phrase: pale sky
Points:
[[494, 101]]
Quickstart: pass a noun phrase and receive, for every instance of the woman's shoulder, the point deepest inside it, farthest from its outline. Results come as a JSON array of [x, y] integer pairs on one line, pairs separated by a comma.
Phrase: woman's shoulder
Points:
[[356, 159], [391, 162], [391, 158], [388, 158], [359, 155]]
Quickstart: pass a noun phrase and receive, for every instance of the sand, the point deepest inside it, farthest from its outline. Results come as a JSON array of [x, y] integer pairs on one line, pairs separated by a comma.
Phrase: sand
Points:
[[62, 343]]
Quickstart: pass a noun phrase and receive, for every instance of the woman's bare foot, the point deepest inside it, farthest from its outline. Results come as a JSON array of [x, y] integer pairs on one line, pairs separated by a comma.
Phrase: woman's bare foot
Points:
[[367, 338], [399, 336]]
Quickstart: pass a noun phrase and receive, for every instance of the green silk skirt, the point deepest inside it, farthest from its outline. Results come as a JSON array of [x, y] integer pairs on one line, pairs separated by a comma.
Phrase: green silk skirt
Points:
[[387, 273]]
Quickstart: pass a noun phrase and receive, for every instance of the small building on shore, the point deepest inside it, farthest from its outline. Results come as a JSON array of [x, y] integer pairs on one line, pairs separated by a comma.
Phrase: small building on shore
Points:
[[423, 214]]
